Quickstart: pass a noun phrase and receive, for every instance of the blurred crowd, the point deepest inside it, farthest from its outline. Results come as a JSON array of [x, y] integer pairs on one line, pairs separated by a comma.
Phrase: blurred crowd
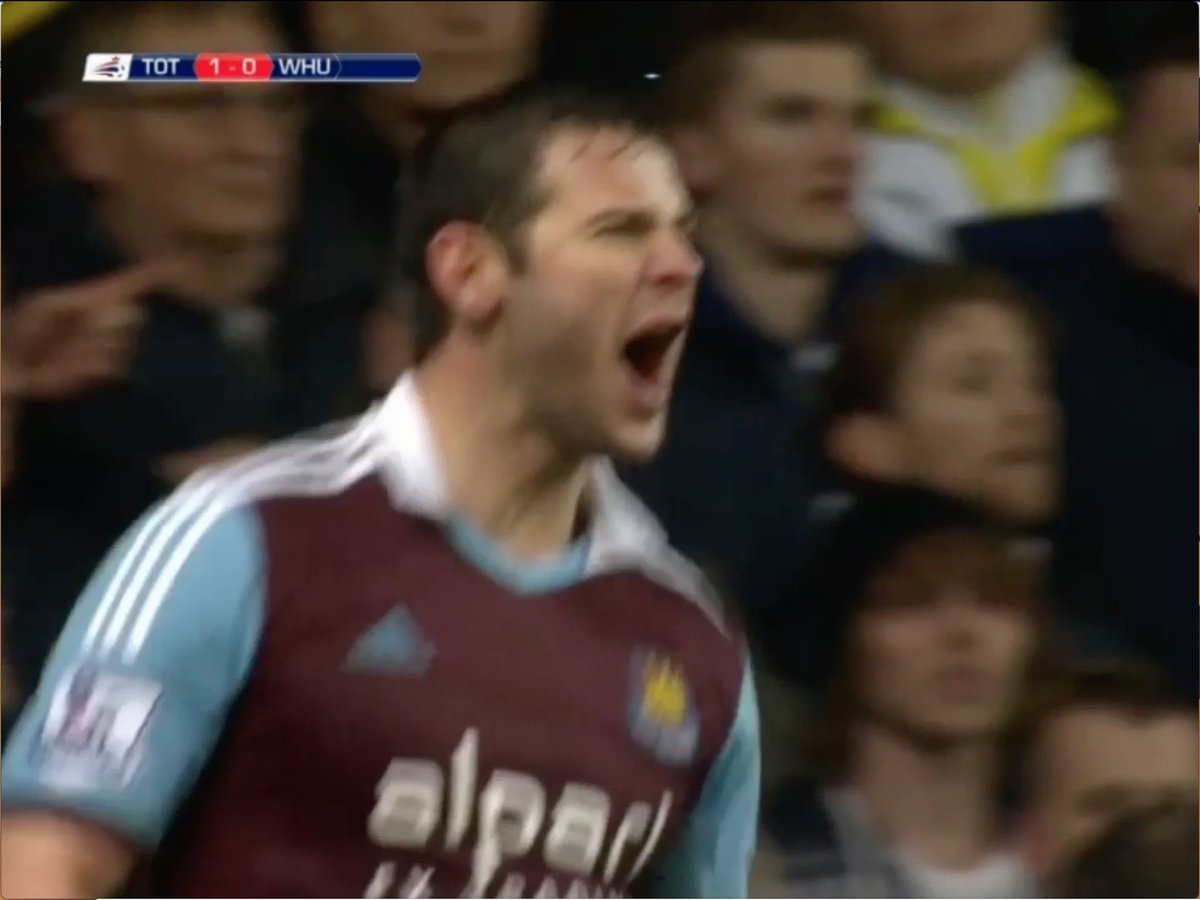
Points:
[[933, 431]]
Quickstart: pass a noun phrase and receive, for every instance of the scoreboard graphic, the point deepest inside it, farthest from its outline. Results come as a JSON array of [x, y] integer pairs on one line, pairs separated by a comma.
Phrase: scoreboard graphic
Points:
[[358, 68]]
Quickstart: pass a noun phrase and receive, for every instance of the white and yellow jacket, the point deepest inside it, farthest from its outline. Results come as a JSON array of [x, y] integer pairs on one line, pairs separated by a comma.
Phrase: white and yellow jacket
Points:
[[1038, 143]]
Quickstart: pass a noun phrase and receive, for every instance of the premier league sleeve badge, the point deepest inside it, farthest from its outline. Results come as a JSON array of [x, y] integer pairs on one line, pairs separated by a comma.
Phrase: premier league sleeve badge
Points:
[[94, 730]]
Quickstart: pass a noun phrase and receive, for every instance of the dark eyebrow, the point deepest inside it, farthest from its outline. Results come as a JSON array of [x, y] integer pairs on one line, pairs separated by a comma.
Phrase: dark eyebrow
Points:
[[685, 220], [618, 216]]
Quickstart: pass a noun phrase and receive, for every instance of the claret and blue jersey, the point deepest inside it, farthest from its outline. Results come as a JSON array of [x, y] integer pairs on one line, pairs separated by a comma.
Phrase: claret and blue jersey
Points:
[[302, 676]]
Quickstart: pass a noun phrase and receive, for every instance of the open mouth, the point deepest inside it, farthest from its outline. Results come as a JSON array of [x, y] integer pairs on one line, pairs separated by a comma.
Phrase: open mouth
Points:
[[647, 351]]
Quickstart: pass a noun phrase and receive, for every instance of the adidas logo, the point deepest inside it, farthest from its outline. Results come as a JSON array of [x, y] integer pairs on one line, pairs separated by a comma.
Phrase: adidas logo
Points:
[[394, 644]]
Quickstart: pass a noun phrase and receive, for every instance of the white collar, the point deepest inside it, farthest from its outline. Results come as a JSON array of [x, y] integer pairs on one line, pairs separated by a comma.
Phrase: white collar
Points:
[[1028, 100], [624, 533]]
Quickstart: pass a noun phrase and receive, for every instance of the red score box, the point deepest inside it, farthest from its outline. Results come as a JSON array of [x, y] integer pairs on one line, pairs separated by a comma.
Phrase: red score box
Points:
[[234, 67]]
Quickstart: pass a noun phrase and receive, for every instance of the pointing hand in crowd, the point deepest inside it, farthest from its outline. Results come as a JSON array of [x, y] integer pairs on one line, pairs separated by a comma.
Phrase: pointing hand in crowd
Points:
[[66, 339]]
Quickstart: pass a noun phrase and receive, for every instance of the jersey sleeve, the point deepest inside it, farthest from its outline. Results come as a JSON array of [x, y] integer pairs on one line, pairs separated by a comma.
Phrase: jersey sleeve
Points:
[[717, 849], [137, 688]]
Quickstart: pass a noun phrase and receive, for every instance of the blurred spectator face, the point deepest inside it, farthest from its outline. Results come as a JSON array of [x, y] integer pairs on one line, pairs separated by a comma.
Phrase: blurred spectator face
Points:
[[953, 47], [1157, 171], [192, 161], [777, 155], [1095, 763], [593, 317], [973, 414], [467, 50], [944, 639]]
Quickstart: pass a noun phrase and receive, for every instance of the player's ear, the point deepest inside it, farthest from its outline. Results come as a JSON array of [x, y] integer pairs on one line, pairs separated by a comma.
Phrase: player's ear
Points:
[[467, 270], [865, 445]]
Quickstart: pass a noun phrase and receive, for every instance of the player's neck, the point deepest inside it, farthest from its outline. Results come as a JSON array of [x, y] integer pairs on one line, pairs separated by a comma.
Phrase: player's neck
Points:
[[937, 804], [212, 274], [504, 477], [785, 298]]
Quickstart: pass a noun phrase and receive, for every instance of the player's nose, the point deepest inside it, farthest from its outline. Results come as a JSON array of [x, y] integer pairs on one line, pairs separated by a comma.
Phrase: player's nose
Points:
[[674, 263]]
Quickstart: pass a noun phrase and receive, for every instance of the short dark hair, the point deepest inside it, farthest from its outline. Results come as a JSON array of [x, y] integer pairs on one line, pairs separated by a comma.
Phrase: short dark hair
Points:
[[1148, 852], [882, 327], [481, 166], [719, 31]]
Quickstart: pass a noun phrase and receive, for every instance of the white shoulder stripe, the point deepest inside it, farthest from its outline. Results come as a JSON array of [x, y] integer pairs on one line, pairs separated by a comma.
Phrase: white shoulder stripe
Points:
[[335, 476], [301, 464], [138, 561], [189, 502]]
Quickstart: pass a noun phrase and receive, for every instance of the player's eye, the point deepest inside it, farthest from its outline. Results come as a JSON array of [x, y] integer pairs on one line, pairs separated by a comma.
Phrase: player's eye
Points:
[[625, 226]]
